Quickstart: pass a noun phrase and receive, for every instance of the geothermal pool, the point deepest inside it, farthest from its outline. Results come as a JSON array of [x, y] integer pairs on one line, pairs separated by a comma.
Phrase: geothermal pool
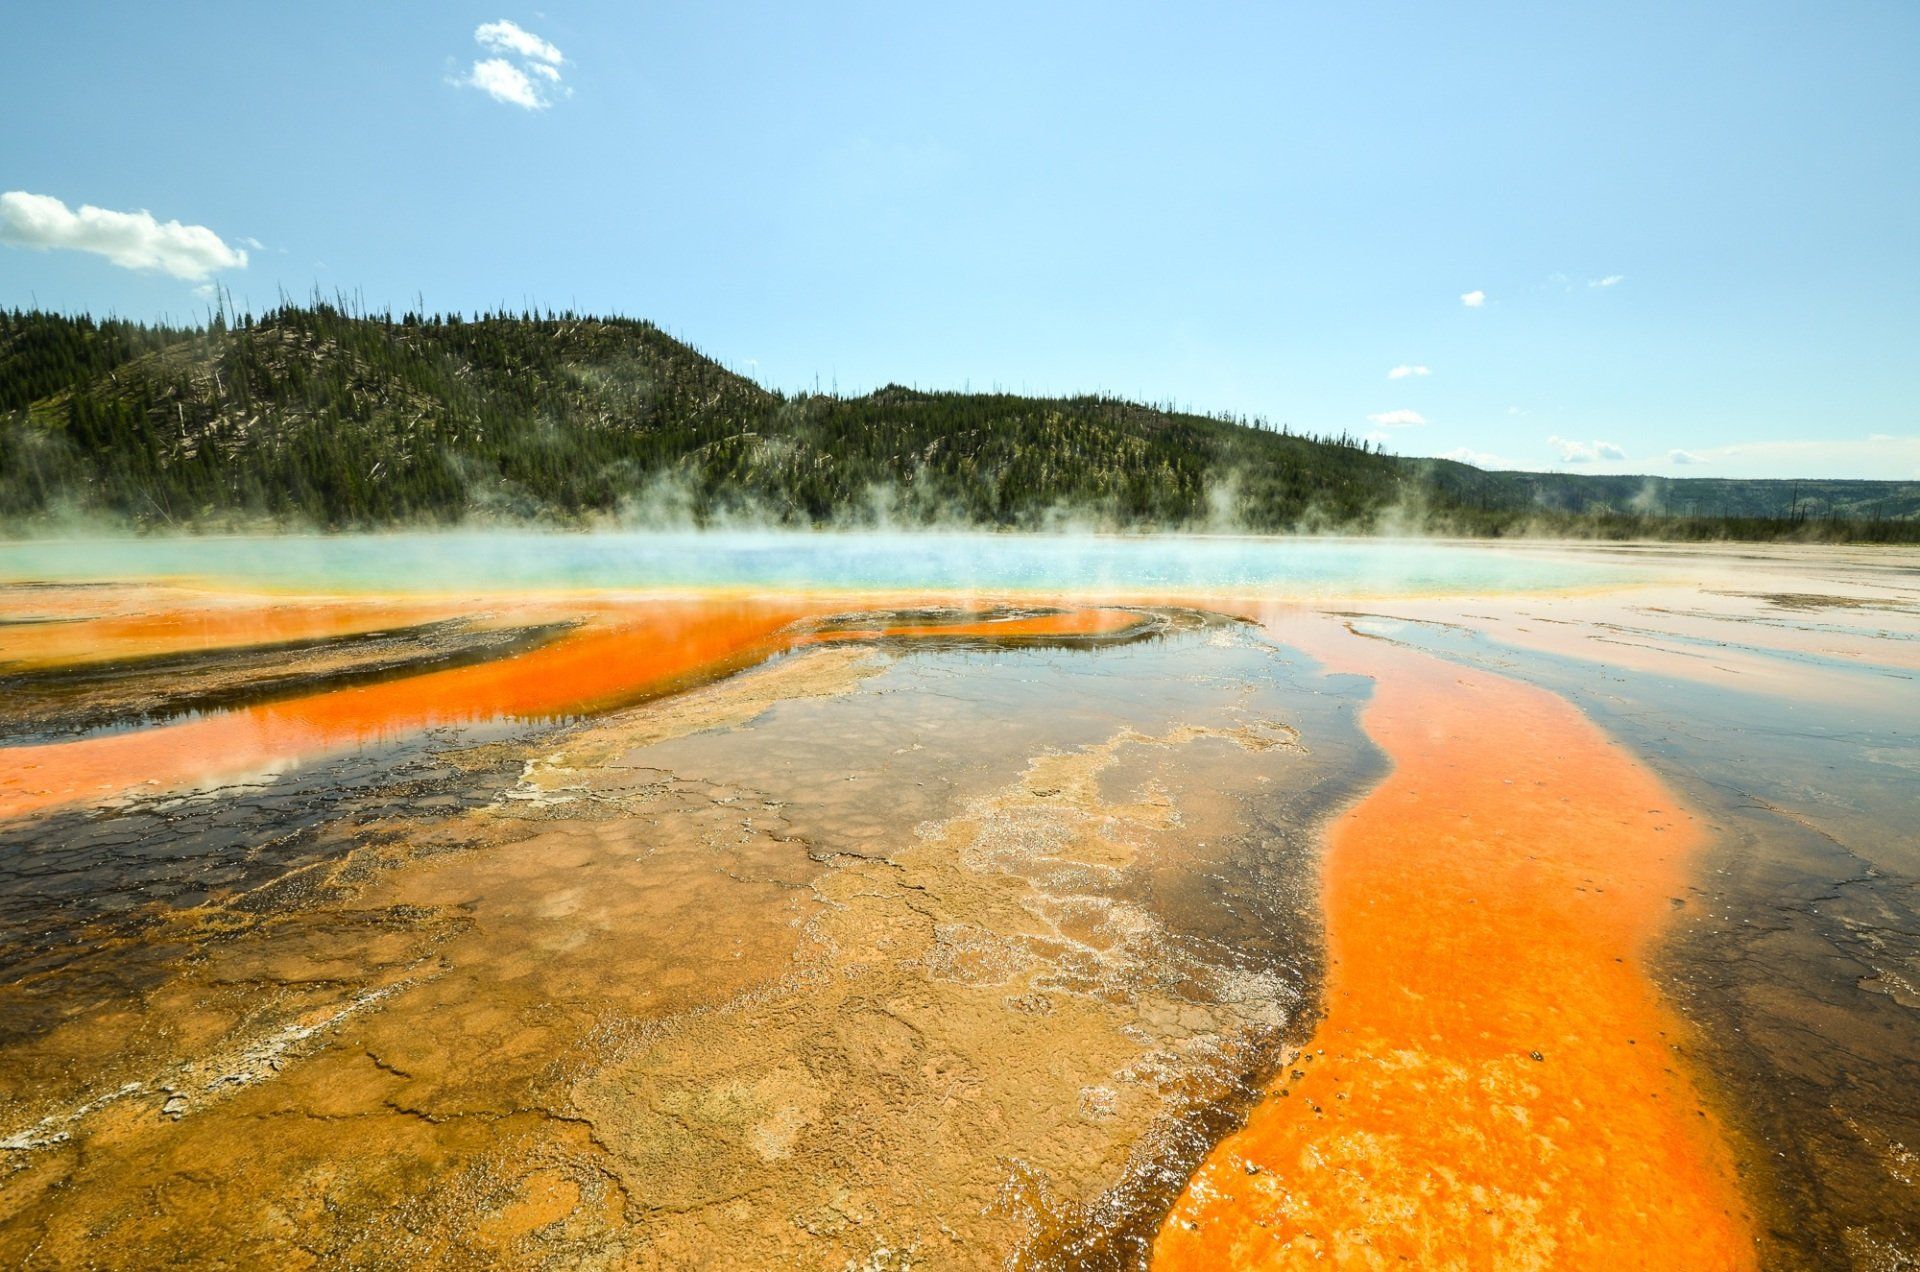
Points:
[[890, 901]]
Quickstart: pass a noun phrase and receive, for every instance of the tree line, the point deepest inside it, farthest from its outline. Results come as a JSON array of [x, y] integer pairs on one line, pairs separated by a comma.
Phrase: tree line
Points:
[[320, 415]]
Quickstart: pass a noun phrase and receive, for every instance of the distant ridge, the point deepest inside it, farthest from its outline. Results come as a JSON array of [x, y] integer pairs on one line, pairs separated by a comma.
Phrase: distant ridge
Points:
[[311, 416]]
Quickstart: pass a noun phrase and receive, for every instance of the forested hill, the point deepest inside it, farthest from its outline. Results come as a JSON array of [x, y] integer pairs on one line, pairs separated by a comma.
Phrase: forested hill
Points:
[[310, 416]]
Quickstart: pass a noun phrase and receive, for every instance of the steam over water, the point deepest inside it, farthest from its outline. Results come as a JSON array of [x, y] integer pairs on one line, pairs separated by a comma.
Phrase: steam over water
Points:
[[1054, 565]]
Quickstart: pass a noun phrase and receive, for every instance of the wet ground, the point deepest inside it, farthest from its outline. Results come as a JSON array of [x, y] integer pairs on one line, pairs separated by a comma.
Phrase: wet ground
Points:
[[952, 932], [839, 930]]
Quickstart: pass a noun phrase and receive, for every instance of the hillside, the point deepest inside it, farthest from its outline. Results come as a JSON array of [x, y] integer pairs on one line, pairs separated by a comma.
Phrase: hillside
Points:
[[310, 416], [1805, 499]]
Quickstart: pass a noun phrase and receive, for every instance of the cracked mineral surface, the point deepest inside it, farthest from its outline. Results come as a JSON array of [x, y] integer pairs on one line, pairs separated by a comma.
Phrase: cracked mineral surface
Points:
[[942, 933]]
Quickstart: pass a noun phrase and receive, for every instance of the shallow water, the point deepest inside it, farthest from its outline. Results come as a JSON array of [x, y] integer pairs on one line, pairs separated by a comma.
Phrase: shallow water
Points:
[[947, 901]]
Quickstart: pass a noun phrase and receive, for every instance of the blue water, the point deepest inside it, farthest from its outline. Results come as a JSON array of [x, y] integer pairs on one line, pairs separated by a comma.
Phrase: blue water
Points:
[[496, 561]]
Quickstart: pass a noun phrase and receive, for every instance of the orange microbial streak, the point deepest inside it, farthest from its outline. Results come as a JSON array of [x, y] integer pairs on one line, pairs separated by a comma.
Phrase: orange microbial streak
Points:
[[1495, 1083], [622, 652], [616, 658], [173, 624]]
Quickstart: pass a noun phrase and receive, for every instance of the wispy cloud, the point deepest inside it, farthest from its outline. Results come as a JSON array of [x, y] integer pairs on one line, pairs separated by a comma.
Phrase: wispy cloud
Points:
[[1611, 280], [1402, 371], [524, 71], [133, 240], [1479, 459], [1475, 299], [1879, 455], [505, 82], [1576, 452], [1398, 419], [510, 38]]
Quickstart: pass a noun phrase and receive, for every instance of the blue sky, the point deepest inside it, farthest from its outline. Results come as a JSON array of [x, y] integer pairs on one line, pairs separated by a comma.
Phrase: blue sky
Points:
[[1261, 209]]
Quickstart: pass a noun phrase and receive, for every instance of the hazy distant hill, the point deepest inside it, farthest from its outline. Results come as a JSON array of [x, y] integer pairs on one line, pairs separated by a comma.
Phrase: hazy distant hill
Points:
[[1807, 498], [312, 416]]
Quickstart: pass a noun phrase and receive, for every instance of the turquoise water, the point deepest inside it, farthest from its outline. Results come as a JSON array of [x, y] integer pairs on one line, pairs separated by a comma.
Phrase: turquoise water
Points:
[[496, 561]]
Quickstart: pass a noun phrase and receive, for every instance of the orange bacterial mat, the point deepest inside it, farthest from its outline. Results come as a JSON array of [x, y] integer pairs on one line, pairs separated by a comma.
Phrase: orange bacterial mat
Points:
[[1496, 1082]]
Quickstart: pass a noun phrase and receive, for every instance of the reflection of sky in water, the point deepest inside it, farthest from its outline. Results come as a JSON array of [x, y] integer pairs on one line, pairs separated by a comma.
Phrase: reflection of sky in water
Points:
[[1848, 768], [902, 562]]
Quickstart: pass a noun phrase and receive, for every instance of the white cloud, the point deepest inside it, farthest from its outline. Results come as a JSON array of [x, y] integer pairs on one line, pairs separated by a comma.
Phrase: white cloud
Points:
[[524, 71], [1514, 410], [1683, 457], [505, 82], [1611, 280], [1398, 419], [1402, 371], [130, 239], [1475, 299], [1574, 452], [510, 38]]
